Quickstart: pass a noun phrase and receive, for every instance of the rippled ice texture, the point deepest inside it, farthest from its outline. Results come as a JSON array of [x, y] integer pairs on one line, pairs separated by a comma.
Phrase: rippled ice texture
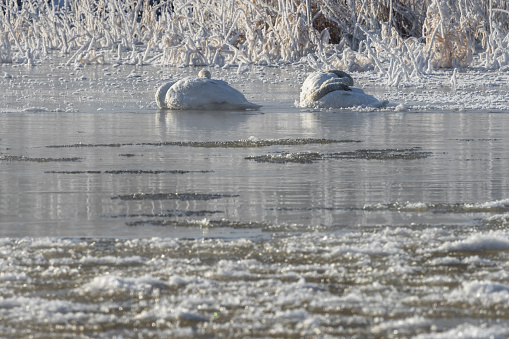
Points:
[[119, 219]]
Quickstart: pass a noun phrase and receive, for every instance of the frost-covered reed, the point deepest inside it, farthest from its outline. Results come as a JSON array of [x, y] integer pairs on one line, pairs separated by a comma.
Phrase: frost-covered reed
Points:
[[398, 39]]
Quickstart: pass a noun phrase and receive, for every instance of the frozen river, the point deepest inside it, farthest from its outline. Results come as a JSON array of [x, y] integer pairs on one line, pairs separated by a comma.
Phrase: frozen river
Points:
[[119, 219]]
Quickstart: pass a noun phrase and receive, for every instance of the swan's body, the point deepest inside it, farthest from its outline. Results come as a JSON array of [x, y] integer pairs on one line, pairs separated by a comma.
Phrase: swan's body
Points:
[[201, 93], [332, 90]]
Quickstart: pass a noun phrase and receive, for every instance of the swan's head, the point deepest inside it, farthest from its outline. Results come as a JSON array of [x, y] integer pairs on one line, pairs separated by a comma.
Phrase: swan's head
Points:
[[204, 74]]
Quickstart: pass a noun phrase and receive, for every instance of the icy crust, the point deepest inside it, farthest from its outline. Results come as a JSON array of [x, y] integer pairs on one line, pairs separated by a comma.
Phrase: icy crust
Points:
[[489, 206], [346, 96], [201, 93], [429, 282], [469, 331], [115, 89]]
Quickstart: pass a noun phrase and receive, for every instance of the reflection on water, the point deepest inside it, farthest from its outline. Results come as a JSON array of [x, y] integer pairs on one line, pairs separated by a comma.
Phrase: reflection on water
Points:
[[365, 159]]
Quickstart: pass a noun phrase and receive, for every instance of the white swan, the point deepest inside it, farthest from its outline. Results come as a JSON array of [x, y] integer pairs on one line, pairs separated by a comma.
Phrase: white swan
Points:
[[201, 93], [332, 90]]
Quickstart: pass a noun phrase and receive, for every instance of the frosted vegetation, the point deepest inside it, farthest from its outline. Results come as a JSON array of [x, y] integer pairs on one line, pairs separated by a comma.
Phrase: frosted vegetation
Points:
[[399, 40]]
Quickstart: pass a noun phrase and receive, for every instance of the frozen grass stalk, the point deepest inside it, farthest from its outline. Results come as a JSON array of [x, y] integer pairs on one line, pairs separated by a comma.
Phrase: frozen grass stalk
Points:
[[234, 32]]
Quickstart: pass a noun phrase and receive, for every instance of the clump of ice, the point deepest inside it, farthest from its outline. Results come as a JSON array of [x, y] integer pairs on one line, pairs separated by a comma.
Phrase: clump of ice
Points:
[[41, 310], [6, 276], [35, 109], [292, 315], [492, 241], [227, 269], [205, 222], [499, 219], [178, 281], [481, 292], [401, 108], [468, 331], [400, 327], [413, 205], [111, 260], [490, 204], [445, 261], [111, 284], [165, 310]]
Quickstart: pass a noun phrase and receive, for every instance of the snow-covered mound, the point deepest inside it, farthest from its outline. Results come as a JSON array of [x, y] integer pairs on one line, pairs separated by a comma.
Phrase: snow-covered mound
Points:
[[201, 93], [332, 90]]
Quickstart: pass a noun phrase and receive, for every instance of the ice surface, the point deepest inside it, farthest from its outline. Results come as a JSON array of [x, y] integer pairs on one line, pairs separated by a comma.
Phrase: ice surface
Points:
[[200, 287]]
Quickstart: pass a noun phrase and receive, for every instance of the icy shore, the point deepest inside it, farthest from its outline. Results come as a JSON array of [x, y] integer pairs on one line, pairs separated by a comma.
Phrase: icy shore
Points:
[[396, 41]]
